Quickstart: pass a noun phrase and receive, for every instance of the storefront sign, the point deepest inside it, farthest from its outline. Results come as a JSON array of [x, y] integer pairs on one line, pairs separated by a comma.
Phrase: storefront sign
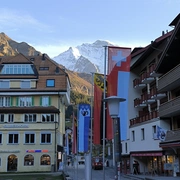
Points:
[[9, 151], [168, 166], [147, 154], [16, 126], [37, 150]]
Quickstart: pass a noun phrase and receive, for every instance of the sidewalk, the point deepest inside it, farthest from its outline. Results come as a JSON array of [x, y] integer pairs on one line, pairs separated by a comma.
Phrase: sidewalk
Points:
[[149, 177]]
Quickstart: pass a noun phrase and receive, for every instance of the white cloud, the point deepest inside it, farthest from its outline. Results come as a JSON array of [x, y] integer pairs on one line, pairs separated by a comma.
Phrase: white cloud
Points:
[[18, 20]]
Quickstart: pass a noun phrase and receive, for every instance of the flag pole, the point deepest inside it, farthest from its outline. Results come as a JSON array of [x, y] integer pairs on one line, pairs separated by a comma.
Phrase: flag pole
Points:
[[104, 113], [92, 92]]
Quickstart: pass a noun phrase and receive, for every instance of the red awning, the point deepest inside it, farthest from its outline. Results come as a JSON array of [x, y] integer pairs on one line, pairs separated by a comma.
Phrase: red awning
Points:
[[147, 154]]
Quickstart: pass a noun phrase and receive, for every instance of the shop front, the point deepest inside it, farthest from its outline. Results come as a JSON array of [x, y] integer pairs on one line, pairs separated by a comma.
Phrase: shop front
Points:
[[148, 163]]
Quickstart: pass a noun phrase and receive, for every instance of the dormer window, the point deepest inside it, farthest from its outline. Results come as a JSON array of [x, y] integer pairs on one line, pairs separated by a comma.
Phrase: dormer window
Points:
[[17, 69]]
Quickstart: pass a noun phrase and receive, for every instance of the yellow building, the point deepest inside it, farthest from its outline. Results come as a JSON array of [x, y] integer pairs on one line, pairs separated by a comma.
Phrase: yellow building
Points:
[[33, 94]]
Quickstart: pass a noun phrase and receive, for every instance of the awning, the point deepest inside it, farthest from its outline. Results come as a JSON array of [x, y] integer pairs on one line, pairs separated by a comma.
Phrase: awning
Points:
[[147, 154]]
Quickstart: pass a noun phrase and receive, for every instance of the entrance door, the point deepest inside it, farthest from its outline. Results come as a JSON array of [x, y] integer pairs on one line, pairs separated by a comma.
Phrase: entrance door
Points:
[[12, 163]]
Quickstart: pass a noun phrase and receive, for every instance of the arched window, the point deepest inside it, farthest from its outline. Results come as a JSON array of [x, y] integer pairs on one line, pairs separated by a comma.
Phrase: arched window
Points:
[[29, 160], [45, 159]]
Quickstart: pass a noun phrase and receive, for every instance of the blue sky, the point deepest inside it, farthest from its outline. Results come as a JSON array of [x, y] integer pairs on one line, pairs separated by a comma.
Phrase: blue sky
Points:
[[53, 26]]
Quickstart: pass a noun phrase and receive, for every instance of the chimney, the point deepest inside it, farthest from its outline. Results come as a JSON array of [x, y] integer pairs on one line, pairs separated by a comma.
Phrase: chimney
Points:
[[163, 33], [44, 56]]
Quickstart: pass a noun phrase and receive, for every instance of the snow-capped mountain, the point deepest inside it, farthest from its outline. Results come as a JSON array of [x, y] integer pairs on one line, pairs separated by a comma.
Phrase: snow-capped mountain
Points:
[[85, 58]]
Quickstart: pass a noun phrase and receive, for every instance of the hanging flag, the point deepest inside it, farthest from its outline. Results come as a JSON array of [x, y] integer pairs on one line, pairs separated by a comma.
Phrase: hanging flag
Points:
[[84, 115], [98, 108], [161, 133], [67, 143], [74, 141], [118, 84]]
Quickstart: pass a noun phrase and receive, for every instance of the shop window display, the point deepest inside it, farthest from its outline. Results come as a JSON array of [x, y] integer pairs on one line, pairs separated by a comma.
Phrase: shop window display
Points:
[[45, 160]]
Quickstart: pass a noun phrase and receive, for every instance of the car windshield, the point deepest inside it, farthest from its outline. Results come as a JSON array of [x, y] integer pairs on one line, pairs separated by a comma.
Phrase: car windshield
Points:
[[98, 160]]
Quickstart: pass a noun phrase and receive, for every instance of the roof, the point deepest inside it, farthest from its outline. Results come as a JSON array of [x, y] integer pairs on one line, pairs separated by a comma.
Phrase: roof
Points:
[[175, 21], [170, 56], [149, 49]]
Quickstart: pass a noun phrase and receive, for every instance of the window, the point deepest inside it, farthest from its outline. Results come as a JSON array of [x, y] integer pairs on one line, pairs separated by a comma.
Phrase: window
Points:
[[47, 117], [25, 101], [45, 160], [45, 100], [13, 138], [126, 147], [1, 118], [30, 118], [29, 138], [4, 84], [50, 83], [46, 138], [43, 68], [142, 134], [25, 84], [5, 101], [10, 118], [133, 136], [17, 69], [0, 138], [29, 160]]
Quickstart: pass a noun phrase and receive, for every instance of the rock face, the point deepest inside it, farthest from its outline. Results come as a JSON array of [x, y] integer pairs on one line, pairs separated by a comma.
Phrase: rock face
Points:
[[9, 47]]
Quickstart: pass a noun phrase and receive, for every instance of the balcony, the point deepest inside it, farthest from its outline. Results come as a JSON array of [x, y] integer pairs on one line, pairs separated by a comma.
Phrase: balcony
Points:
[[152, 72], [170, 108], [146, 78], [138, 103], [143, 117], [156, 95], [146, 99], [170, 80], [137, 84]]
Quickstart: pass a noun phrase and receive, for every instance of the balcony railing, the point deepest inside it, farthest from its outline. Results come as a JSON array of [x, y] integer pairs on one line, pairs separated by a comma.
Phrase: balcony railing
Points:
[[152, 71], [138, 84], [170, 108], [146, 78], [170, 80], [144, 118]]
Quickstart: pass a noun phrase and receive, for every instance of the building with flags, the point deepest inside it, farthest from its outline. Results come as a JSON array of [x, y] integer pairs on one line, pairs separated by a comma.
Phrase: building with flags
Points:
[[153, 106]]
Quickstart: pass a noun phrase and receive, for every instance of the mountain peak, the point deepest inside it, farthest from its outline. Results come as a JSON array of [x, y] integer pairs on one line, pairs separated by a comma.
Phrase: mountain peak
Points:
[[86, 58]]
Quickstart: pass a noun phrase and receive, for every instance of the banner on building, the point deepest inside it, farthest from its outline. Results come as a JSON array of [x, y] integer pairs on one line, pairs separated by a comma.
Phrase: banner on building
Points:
[[74, 136], [98, 108], [84, 118], [118, 84], [161, 133]]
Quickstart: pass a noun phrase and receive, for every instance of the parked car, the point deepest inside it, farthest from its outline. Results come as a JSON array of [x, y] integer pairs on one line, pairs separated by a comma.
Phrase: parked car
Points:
[[97, 163]]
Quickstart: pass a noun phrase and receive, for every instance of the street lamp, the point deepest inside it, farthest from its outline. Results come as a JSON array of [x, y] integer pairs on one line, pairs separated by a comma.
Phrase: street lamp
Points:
[[114, 104]]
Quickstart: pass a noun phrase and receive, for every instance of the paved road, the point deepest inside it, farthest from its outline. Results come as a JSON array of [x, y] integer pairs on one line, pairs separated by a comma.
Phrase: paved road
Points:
[[78, 173]]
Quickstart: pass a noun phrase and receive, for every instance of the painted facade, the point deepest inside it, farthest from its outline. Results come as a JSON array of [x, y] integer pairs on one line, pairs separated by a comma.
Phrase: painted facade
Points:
[[33, 94]]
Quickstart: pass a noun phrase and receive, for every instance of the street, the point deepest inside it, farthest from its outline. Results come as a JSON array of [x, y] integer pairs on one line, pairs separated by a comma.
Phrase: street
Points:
[[78, 173]]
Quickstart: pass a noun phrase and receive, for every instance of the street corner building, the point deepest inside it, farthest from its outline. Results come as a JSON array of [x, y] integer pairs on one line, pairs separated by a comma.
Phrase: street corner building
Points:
[[34, 91]]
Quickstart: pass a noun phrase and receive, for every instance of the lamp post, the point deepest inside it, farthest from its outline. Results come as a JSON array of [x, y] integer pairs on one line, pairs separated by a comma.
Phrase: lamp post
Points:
[[114, 104]]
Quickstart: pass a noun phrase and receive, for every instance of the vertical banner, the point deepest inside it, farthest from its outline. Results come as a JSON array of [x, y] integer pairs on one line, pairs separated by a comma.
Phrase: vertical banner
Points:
[[98, 108], [74, 128], [67, 143], [118, 84], [84, 115]]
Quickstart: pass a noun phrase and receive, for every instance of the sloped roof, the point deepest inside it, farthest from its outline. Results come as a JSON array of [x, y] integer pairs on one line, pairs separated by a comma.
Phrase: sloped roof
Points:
[[171, 54]]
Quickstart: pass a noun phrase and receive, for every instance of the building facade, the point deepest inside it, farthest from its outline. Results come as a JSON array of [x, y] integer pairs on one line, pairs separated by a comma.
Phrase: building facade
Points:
[[33, 94], [150, 92]]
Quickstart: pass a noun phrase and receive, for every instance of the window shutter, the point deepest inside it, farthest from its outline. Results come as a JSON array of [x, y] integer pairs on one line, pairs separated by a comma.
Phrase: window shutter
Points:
[[40, 101], [11, 101], [49, 101], [33, 101], [17, 101]]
